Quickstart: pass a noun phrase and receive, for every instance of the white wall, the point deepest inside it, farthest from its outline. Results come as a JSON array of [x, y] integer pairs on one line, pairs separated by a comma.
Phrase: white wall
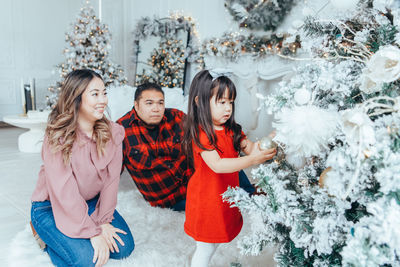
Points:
[[32, 39]]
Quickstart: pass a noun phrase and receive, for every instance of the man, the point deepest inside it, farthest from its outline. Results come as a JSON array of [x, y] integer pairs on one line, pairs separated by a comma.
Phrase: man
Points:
[[152, 150]]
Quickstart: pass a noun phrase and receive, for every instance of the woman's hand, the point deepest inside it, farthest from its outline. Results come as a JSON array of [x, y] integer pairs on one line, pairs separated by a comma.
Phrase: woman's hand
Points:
[[101, 251], [109, 233]]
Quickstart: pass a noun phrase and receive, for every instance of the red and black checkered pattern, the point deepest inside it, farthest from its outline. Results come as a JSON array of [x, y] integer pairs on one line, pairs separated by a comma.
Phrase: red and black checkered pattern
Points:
[[159, 168]]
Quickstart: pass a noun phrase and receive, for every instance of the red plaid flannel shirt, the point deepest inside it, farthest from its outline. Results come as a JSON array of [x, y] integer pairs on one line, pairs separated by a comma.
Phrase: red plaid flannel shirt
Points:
[[159, 169]]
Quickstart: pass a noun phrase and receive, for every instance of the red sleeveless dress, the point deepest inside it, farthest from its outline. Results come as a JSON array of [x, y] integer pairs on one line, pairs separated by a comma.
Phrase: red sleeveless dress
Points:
[[208, 218]]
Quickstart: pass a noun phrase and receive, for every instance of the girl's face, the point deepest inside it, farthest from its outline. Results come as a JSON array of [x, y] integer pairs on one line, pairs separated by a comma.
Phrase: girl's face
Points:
[[221, 109], [94, 101]]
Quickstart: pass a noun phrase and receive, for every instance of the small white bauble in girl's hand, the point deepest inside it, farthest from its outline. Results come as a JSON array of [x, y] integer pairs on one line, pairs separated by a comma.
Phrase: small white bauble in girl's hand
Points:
[[267, 143], [344, 5], [302, 96]]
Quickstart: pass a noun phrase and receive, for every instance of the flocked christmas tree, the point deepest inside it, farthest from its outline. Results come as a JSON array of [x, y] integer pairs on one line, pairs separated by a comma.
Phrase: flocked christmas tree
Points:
[[167, 63], [264, 15], [332, 194], [88, 46]]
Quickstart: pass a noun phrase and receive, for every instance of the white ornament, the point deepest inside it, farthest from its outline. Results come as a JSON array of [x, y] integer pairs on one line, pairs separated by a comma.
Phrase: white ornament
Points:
[[368, 86], [358, 127], [384, 65], [302, 96], [267, 143], [324, 179], [305, 130], [296, 161], [344, 4], [329, 180]]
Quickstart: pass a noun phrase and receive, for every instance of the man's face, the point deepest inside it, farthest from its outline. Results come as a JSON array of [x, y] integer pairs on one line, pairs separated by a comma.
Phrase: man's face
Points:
[[150, 107]]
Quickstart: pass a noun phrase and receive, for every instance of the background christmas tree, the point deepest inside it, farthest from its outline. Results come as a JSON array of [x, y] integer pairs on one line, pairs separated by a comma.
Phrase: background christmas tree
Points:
[[167, 63], [332, 194], [88, 46], [264, 15]]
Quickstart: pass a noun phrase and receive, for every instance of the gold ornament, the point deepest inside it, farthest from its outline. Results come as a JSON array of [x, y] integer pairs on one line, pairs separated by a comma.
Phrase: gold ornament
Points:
[[322, 177], [267, 143]]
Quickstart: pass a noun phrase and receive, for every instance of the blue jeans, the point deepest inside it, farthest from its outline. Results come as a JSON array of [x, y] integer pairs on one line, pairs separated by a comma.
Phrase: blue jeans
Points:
[[243, 183], [66, 251]]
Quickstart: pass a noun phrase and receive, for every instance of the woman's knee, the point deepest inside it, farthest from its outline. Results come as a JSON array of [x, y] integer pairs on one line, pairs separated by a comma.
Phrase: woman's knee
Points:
[[126, 249], [82, 261], [129, 244], [71, 257]]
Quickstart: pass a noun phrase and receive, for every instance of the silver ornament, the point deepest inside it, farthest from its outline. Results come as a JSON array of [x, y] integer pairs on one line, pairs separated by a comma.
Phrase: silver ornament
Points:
[[267, 143]]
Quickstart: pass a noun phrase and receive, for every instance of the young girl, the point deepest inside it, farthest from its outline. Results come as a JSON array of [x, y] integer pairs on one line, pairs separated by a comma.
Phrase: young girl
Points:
[[213, 140], [73, 205]]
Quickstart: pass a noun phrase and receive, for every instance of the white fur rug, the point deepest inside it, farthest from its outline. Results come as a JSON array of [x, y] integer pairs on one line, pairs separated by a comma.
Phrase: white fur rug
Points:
[[159, 240]]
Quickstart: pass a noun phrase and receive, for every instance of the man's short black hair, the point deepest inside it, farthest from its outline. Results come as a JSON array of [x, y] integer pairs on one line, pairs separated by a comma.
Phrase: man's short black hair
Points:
[[147, 86]]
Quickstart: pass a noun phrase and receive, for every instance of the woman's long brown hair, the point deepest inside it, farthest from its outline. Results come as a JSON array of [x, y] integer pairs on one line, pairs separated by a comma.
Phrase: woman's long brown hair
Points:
[[63, 120], [199, 114]]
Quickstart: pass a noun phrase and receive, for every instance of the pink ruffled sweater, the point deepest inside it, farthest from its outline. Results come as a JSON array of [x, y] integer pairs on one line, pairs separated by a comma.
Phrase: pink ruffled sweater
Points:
[[69, 186]]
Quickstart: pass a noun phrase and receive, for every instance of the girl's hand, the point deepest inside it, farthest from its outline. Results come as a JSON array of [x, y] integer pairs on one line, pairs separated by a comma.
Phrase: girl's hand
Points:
[[260, 155], [109, 233], [101, 251], [272, 134]]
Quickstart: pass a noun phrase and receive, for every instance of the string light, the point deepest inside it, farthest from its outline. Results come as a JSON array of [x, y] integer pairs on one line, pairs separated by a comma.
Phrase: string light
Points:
[[234, 45]]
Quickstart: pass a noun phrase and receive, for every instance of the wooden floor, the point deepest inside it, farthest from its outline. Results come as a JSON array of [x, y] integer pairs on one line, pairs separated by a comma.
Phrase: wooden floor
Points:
[[18, 175]]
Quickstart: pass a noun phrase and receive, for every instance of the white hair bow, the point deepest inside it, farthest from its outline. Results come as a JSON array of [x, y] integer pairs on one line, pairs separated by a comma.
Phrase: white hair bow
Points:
[[218, 72]]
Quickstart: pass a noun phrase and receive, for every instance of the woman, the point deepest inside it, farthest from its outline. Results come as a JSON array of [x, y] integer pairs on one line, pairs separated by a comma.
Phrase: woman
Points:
[[73, 205]]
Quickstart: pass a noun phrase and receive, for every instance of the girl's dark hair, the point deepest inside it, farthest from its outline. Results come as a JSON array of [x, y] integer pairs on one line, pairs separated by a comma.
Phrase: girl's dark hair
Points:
[[199, 114]]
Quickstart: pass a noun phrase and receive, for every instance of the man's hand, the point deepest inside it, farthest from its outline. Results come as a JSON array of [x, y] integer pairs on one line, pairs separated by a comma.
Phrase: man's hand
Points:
[[101, 251], [109, 233]]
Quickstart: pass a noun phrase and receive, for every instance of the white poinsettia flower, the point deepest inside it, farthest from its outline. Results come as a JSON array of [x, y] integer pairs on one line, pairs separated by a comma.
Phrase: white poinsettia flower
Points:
[[384, 65], [357, 127], [368, 86]]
